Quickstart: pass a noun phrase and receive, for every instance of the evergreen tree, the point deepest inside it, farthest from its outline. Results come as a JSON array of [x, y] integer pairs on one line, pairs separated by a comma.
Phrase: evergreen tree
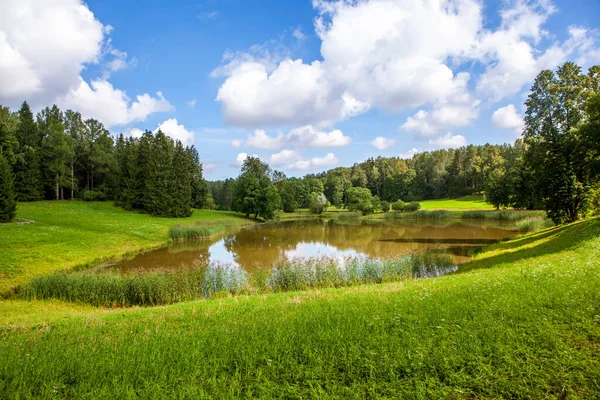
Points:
[[183, 168], [8, 202], [9, 144], [28, 179], [158, 199]]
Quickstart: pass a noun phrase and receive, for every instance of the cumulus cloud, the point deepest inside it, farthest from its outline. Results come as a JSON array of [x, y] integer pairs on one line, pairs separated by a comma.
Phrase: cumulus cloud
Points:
[[176, 131], [298, 34], [448, 141], [382, 143], [284, 157], [398, 55], [112, 106], [409, 154], [236, 143], [302, 137], [241, 157], [45, 46], [508, 118], [316, 162]]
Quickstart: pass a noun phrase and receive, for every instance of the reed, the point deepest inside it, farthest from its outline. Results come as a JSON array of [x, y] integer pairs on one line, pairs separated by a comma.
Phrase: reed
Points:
[[349, 215], [422, 214], [110, 289], [532, 224], [503, 215], [189, 232]]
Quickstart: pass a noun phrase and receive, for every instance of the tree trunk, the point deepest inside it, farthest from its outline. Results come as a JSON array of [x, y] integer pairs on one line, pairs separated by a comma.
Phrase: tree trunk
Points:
[[57, 198]]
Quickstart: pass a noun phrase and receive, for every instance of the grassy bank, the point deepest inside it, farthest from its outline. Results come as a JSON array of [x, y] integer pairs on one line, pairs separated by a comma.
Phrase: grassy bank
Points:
[[69, 234], [520, 321]]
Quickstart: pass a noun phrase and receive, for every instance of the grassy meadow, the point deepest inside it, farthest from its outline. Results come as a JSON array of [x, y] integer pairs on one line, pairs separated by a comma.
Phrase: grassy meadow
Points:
[[520, 321], [68, 234]]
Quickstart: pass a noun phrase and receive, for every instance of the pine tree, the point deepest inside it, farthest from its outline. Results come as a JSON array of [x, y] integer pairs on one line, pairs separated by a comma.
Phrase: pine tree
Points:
[[8, 203], [183, 166], [159, 185], [28, 177]]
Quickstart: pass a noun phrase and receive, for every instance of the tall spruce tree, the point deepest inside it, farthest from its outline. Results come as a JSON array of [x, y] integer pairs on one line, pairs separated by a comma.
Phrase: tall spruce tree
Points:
[[158, 198], [183, 168], [8, 202], [28, 177]]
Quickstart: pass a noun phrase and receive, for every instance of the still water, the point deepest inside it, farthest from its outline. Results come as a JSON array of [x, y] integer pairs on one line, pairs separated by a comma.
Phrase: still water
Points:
[[265, 244]]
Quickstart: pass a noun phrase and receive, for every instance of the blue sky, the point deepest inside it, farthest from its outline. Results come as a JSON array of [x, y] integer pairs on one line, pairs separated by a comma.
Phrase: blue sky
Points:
[[305, 85]]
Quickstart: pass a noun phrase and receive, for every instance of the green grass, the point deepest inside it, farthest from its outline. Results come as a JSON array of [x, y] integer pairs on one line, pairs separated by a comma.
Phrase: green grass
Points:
[[520, 321], [70, 234], [422, 214], [474, 202]]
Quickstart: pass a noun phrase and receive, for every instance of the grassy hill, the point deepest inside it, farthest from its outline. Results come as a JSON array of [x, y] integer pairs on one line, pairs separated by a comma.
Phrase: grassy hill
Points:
[[520, 321], [66, 234]]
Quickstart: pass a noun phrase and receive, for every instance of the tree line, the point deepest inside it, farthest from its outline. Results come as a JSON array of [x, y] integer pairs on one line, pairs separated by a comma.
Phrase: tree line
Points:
[[554, 166], [59, 155]]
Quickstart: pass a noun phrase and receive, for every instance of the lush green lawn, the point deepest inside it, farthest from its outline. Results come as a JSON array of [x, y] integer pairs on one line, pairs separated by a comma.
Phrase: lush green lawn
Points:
[[474, 202], [521, 321], [67, 234]]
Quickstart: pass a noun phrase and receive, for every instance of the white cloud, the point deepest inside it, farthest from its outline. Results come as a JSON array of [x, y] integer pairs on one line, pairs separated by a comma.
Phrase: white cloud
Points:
[[508, 118], [44, 47], [192, 103], [46, 44], [208, 15], [284, 157], [316, 162], [134, 132], [398, 55], [176, 131], [112, 106], [236, 143], [409, 154], [208, 166], [381, 143], [302, 137], [241, 157], [298, 34], [448, 141]]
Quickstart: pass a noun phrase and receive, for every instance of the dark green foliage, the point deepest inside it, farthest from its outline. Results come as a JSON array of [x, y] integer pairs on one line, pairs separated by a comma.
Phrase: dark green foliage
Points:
[[94, 195], [412, 206], [560, 171], [398, 206], [359, 199], [385, 206], [255, 194], [287, 196], [27, 168], [8, 202]]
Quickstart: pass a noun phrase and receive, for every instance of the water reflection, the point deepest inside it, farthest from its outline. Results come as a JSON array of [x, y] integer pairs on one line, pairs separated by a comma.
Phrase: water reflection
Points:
[[266, 244]]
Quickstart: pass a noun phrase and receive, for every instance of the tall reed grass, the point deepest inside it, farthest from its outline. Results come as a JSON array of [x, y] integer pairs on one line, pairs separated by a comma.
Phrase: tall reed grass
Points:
[[532, 224], [349, 215], [111, 289], [189, 232], [423, 214], [503, 215]]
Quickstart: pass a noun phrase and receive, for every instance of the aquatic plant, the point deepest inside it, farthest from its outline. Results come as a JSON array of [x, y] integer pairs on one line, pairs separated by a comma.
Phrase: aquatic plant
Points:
[[108, 288], [189, 232]]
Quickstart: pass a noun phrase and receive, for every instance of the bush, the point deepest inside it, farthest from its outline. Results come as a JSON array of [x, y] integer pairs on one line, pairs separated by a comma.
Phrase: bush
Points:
[[413, 206], [398, 206], [385, 206], [94, 195]]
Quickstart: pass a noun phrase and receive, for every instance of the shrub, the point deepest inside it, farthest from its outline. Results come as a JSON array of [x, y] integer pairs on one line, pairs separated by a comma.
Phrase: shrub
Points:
[[94, 195], [398, 206], [385, 206], [413, 206]]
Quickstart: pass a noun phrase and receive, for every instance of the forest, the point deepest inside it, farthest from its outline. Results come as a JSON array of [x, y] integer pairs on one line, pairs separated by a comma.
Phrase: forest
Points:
[[554, 166]]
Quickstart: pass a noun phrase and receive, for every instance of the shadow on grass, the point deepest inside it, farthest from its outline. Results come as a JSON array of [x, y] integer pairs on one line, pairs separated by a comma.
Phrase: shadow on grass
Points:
[[551, 241]]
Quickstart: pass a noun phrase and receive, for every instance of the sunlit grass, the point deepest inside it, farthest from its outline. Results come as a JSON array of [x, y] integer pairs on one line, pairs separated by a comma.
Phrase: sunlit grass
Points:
[[521, 321], [474, 202]]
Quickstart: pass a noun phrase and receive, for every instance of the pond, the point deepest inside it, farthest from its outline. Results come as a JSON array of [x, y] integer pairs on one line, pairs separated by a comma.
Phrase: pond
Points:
[[265, 244]]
